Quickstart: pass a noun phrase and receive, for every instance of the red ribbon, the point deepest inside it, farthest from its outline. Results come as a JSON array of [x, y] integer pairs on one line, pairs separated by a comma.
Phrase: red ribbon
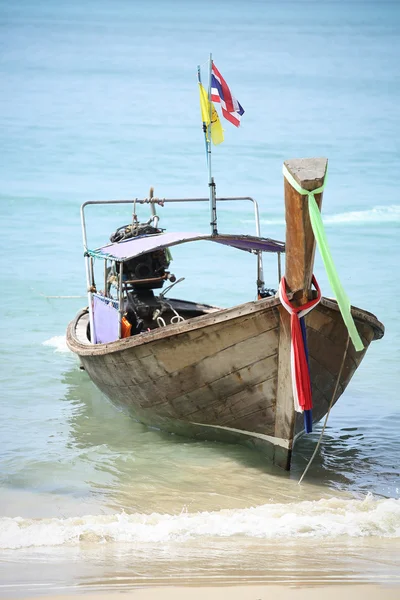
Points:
[[300, 369]]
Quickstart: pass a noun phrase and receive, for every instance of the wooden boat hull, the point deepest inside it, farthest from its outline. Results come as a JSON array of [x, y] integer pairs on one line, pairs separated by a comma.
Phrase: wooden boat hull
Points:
[[225, 375]]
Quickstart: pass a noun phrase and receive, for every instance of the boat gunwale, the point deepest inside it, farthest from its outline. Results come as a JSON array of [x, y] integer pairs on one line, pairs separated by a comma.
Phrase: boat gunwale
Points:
[[200, 322]]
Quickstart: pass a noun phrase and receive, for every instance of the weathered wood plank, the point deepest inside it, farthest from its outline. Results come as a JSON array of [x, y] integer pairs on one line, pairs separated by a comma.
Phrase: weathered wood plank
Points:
[[212, 376], [177, 385], [331, 325], [240, 355], [249, 408], [252, 409], [183, 350], [330, 353], [229, 384]]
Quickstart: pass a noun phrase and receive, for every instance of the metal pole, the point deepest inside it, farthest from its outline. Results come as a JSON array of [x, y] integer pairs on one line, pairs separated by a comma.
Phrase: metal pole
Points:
[[90, 300], [211, 184], [120, 300], [260, 267], [153, 208], [105, 279], [207, 140], [87, 270], [279, 268], [92, 273], [167, 200]]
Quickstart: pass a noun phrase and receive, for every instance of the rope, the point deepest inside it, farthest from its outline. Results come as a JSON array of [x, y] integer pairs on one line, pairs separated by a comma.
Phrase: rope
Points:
[[134, 215], [100, 254], [62, 297], [177, 318], [329, 410], [161, 322]]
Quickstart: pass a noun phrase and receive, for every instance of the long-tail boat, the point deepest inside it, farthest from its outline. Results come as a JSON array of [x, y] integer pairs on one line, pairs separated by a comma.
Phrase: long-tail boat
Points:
[[212, 373]]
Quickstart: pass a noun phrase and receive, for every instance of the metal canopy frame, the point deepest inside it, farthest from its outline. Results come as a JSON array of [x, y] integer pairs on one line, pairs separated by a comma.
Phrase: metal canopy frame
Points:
[[152, 202]]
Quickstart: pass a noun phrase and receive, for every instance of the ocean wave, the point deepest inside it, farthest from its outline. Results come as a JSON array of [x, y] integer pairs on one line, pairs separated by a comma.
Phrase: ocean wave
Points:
[[377, 214], [309, 519], [58, 342]]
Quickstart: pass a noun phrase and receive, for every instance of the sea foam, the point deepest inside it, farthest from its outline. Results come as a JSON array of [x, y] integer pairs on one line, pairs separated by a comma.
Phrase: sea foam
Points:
[[309, 519], [377, 214], [58, 342]]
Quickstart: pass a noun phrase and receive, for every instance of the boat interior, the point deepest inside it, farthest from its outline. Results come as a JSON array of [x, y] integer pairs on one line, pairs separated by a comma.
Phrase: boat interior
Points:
[[131, 296]]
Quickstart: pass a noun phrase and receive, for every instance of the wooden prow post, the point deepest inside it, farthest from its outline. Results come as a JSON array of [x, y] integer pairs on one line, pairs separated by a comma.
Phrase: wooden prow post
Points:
[[300, 250], [300, 242]]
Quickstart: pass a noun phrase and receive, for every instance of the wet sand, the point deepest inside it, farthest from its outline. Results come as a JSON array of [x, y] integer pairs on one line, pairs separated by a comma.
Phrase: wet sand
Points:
[[245, 592]]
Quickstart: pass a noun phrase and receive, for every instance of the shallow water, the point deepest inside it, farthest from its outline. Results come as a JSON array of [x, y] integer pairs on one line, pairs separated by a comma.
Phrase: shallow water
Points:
[[99, 100]]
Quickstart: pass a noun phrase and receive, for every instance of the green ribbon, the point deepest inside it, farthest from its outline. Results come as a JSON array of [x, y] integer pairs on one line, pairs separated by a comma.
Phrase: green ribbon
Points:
[[322, 243]]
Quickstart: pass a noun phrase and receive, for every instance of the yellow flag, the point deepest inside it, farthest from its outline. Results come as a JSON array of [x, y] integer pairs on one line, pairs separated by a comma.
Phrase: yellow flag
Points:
[[217, 133]]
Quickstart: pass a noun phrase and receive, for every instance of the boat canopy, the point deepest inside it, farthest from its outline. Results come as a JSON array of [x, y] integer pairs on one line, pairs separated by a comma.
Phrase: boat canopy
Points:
[[123, 251]]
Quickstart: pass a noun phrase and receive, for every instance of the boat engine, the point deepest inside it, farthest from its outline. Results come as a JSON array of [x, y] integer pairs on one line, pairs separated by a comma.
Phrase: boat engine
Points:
[[141, 275], [148, 271]]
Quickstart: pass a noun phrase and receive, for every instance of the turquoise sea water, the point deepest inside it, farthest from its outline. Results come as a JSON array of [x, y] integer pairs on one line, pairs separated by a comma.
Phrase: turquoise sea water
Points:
[[99, 100]]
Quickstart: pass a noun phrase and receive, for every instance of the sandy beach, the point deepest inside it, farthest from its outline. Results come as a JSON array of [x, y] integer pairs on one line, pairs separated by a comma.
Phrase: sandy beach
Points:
[[245, 592]]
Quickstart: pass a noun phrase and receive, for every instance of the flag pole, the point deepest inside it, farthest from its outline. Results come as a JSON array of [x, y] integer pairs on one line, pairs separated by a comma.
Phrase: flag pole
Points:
[[211, 183], [208, 150]]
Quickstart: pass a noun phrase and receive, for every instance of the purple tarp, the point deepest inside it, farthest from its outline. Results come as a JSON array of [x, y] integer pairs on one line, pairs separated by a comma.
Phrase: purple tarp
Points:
[[134, 247], [105, 318]]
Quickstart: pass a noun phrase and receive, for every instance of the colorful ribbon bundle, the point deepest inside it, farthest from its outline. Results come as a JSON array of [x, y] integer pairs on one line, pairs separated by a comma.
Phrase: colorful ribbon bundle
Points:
[[299, 352]]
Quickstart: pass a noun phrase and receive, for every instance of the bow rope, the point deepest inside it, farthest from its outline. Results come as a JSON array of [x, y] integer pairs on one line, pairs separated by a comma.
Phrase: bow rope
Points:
[[300, 368]]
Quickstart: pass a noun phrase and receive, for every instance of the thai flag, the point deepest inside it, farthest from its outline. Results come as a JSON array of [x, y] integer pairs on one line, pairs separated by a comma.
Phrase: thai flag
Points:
[[220, 92]]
